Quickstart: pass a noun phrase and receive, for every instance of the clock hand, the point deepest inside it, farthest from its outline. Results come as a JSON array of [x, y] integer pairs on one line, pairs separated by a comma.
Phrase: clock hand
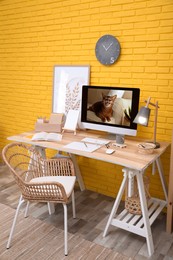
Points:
[[109, 46], [104, 47]]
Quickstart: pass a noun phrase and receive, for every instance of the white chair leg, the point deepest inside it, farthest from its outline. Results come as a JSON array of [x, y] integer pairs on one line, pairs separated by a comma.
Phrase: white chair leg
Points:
[[51, 208], [14, 222], [26, 209], [65, 230], [73, 205]]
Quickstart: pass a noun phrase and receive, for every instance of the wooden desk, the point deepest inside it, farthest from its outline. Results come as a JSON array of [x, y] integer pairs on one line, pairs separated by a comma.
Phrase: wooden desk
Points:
[[127, 157], [134, 164]]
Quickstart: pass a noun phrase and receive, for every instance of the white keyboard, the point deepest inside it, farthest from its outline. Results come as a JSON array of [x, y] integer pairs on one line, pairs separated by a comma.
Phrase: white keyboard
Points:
[[95, 141]]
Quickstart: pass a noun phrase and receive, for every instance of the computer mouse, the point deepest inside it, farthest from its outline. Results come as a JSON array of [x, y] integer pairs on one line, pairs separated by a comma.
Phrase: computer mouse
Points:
[[110, 151]]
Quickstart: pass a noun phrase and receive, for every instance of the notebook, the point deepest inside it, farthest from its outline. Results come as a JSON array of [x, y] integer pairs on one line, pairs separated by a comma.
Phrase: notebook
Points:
[[81, 146]]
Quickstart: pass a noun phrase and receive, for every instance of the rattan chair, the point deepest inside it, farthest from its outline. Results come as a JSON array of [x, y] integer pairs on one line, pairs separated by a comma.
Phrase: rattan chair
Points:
[[40, 180]]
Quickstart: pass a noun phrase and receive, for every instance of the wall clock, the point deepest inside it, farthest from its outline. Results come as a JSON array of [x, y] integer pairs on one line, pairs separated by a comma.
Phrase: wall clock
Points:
[[107, 49]]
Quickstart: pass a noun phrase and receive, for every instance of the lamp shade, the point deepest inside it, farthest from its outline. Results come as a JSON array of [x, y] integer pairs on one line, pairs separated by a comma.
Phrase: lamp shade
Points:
[[142, 117]]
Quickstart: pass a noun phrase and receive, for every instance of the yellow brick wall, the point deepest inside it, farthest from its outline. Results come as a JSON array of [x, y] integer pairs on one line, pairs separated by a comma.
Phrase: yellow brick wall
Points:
[[37, 34]]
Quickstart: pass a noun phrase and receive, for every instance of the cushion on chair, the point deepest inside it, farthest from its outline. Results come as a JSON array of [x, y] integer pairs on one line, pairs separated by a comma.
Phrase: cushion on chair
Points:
[[68, 182]]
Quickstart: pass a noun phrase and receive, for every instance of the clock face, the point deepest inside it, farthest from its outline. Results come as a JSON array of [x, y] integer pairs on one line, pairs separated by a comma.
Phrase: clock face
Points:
[[107, 49]]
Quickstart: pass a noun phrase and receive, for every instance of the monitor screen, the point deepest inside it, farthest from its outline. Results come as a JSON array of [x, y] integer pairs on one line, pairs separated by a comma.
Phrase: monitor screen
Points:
[[110, 109]]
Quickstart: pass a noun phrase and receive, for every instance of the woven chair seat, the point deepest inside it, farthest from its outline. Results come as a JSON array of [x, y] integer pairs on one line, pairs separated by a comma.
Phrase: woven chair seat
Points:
[[67, 182]]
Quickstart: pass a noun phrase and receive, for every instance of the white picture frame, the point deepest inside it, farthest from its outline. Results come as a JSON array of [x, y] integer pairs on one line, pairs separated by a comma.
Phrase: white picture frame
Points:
[[67, 87]]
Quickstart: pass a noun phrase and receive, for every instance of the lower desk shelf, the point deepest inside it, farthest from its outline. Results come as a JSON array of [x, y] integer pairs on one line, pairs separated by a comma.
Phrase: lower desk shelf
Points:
[[135, 223]]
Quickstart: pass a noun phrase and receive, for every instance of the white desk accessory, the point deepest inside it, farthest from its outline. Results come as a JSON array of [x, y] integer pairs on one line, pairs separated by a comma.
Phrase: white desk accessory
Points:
[[71, 121], [95, 141], [110, 151]]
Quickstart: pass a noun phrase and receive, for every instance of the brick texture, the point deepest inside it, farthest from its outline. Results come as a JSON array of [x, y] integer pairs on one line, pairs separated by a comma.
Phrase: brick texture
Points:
[[36, 35]]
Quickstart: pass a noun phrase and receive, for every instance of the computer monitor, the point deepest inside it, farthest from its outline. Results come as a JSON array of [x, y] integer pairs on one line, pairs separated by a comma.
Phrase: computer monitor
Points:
[[110, 109]]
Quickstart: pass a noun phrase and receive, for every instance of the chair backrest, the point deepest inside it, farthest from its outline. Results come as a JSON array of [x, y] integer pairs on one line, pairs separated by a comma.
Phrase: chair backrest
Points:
[[59, 167], [23, 160]]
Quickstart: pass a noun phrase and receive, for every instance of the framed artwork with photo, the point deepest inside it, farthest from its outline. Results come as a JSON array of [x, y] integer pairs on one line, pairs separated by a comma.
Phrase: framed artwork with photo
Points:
[[67, 87]]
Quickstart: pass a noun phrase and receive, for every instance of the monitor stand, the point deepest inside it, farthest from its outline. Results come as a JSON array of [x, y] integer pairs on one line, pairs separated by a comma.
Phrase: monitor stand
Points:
[[119, 140]]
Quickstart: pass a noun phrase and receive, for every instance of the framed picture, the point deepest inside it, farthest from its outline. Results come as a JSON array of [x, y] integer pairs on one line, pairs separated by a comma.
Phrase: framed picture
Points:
[[67, 87]]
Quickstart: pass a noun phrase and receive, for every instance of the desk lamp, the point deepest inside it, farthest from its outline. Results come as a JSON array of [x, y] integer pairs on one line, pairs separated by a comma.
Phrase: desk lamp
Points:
[[143, 115]]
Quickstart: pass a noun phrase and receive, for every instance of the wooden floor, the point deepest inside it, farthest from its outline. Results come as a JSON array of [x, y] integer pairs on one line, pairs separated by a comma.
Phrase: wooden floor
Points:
[[92, 214]]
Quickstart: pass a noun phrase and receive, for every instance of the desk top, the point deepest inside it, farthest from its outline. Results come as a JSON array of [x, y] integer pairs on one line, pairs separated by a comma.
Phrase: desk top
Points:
[[126, 157]]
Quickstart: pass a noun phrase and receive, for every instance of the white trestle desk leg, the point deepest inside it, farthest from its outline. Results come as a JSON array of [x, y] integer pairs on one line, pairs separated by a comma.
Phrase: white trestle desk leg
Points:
[[144, 209], [130, 183], [162, 178], [117, 201], [78, 173]]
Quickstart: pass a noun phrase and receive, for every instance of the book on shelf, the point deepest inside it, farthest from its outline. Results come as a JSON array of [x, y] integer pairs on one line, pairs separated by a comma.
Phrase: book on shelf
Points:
[[44, 136]]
